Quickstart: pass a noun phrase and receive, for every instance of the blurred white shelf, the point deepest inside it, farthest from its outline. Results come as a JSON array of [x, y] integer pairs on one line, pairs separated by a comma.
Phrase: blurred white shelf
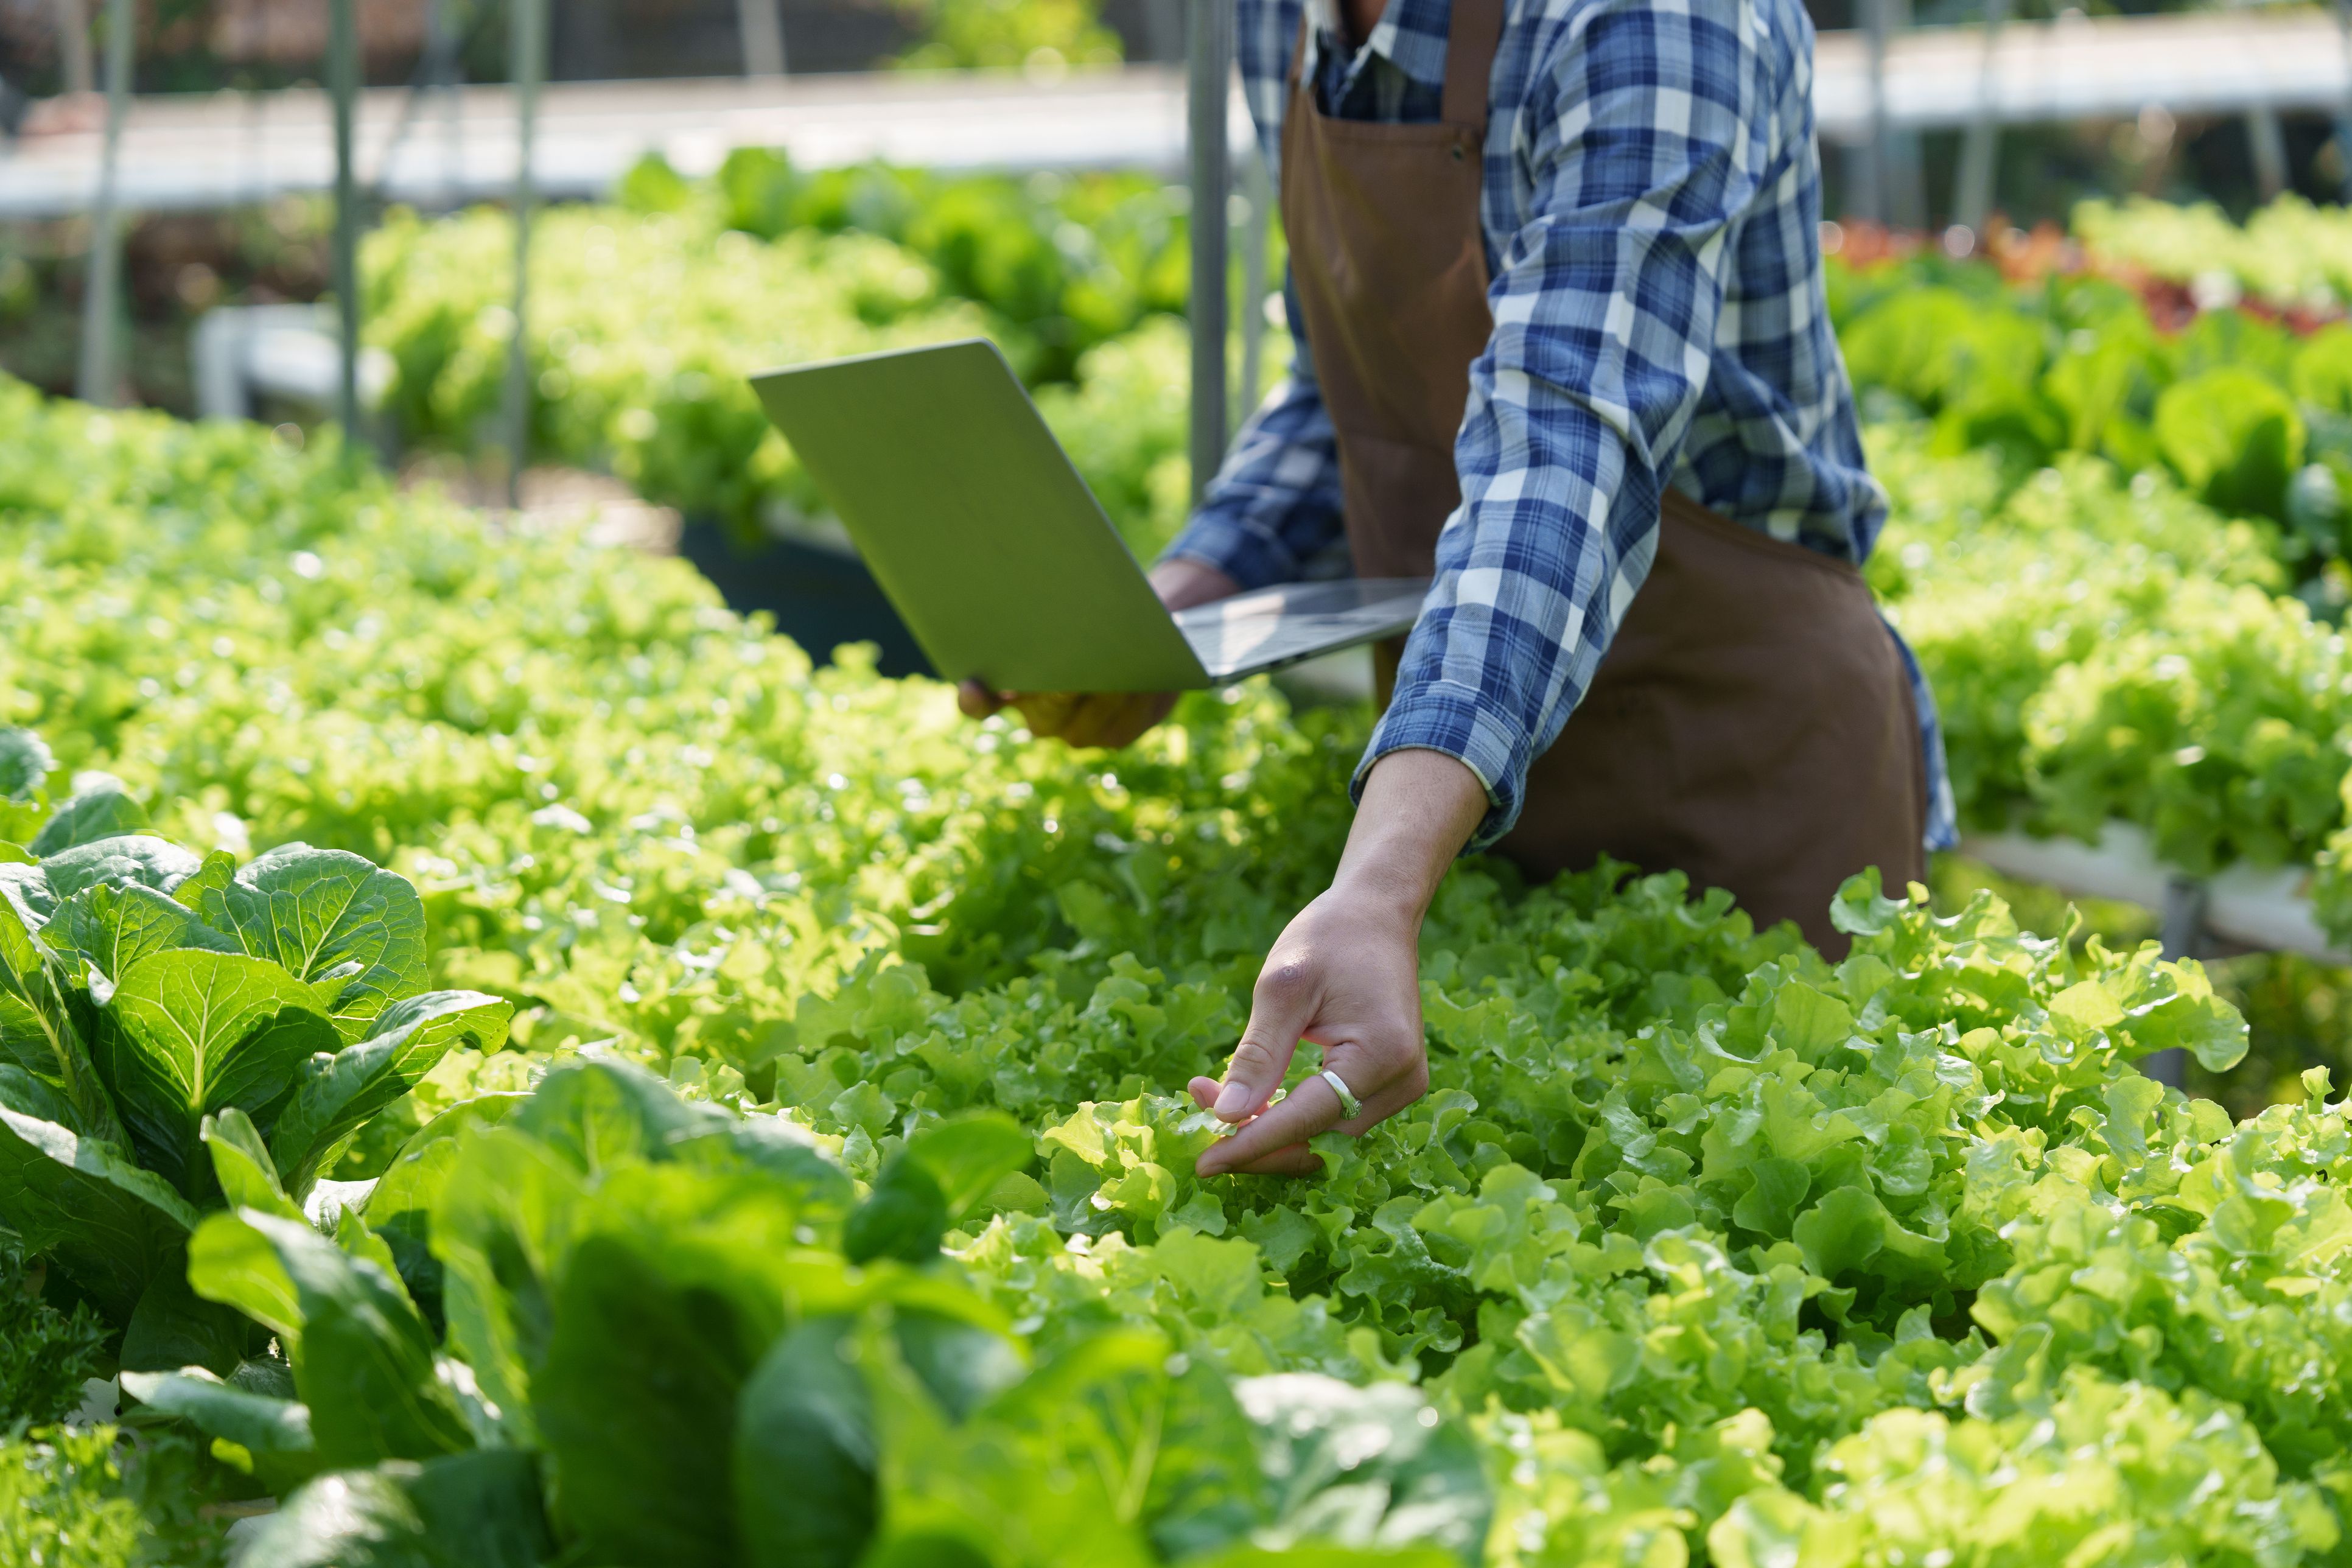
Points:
[[2082, 67], [182, 151], [2268, 911], [192, 151], [290, 351]]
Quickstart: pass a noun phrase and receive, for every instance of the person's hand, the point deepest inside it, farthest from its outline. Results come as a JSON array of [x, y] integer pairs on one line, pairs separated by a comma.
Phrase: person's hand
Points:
[[1110, 719], [1345, 975]]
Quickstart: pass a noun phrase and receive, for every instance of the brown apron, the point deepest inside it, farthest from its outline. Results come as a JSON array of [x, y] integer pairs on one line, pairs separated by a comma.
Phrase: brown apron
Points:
[[1751, 725]]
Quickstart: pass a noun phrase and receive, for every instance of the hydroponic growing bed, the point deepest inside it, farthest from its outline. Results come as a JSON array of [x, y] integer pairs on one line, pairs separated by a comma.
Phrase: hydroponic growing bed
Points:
[[685, 1106]]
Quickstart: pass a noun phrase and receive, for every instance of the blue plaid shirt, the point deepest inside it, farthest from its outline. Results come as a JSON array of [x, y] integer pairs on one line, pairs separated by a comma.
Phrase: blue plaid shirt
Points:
[[1650, 209]]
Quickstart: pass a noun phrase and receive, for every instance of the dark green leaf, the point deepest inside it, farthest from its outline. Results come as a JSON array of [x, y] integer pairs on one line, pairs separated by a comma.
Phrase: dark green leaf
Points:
[[363, 1359], [218, 870], [136, 861], [311, 912], [104, 810], [189, 1033], [961, 1363], [111, 927], [805, 1494], [174, 1327], [637, 1408], [482, 1510], [112, 1228], [356, 1518], [400, 1206], [257, 1422], [969, 1156], [596, 1109], [25, 764], [241, 1165], [903, 1217], [402, 1044]]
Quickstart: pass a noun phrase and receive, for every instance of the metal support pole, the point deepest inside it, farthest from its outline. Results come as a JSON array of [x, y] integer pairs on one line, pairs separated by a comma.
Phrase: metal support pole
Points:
[[1257, 189], [2183, 936], [1210, 51], [1902, 165], [443, 70], [344, 82], [2267, 141], [1972, 200], [98, 374], [2344, 111], [1869, 199], [528, 54], [761, 26], [73, 44]]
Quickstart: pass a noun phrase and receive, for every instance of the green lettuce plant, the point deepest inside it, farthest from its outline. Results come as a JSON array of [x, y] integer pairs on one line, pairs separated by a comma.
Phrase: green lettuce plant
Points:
[[177, 1033]]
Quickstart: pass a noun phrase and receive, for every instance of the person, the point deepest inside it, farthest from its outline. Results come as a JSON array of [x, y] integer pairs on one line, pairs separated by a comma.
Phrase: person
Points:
[[1556, 269]]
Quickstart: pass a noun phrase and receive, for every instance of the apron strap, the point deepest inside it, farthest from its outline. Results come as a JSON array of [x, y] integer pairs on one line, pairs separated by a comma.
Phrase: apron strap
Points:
[[1298, 50], [1472, 36]]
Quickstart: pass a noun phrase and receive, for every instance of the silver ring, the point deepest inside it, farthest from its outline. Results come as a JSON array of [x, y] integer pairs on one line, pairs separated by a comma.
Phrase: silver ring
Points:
[[1349, 1106]]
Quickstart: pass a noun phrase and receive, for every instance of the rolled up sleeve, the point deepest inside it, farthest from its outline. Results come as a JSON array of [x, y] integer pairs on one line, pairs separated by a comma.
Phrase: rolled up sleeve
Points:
[[1643, 142]]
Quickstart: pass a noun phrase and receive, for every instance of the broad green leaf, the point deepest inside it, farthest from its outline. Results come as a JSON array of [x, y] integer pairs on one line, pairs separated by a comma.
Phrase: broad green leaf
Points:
[[458, 1511], [903, 1217], [400, 1206], [218, 870], [135, 861], [26, 763], [104, 811], [823, 1190], [363, 1359], [242, 1166], [637, 1407], [189, 1033], [968, 1156], [349, 1519], [502, 1217], [45, 1023], [1058, 1469], [112, 1227], [483, 1510], [2233, 437], [402, 1044], [220, 1409], [234, 1264], [805, 1489], [961, 1362], [172, 1326], [597, 1110], [111, 927], [311, 912]]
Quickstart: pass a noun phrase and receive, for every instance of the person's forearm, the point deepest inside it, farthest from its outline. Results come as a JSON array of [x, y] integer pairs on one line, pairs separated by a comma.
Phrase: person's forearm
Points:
[[1419, 809]]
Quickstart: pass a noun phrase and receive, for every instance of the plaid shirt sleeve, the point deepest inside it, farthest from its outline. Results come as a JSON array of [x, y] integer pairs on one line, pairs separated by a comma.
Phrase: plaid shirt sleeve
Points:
[[1275, 503], [1647, 132]]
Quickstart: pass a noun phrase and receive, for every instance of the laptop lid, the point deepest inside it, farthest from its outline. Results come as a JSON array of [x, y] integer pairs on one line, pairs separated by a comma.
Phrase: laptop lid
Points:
[[971, 519]]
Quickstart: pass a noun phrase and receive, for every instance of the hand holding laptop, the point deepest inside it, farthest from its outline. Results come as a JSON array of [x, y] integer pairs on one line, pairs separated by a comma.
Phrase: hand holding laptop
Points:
[[1109, 719]]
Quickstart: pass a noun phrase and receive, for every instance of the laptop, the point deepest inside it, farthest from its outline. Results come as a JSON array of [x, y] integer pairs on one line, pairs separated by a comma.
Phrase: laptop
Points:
[[998, 557]]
